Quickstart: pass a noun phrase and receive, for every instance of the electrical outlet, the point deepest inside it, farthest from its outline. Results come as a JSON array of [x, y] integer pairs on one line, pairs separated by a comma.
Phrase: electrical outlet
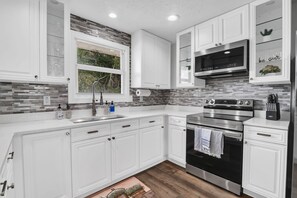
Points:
[[46, 100]]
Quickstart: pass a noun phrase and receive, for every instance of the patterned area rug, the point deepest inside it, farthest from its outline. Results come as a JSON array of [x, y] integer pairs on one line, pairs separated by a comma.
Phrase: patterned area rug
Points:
[[129, 188]]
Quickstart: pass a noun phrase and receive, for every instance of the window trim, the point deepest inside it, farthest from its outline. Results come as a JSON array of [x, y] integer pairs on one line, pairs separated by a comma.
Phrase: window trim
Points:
[[73, 95]]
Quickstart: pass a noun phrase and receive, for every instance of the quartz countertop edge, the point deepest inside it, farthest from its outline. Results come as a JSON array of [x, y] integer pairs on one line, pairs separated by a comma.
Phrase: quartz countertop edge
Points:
[[262, 122], [9, 130]]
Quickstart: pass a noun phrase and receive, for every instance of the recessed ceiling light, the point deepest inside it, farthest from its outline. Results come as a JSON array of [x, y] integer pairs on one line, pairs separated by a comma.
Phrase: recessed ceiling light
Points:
[[173, 17], [112, 15]]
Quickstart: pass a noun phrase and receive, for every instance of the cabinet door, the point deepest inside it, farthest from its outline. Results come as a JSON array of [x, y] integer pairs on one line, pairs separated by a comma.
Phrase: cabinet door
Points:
[[148, 67], [264, 168], [125, 154], [185, 60], [162, 63], [234, 25], [177, 144], [54, 36], [151, 145], [270, 42], [19, 38], [47, 166], [91, 165], [206, 35]]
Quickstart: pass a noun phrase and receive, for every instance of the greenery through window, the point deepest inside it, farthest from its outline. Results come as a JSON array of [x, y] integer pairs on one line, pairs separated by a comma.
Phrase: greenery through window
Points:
[[98, 62]]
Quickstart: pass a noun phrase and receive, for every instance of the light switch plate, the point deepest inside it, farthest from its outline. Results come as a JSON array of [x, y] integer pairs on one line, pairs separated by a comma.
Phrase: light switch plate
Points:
[[46, 100]]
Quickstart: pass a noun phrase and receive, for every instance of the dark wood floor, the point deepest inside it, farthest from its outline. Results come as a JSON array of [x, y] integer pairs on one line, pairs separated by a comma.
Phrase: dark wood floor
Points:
[[167, 180]]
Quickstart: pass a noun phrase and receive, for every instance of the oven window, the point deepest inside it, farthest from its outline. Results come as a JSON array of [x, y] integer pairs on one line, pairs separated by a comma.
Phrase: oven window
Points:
[[220, 60]]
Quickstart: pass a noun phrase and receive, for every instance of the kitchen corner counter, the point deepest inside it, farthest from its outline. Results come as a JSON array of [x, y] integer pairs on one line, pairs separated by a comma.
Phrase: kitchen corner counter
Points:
[[9, 130], [262, 122]]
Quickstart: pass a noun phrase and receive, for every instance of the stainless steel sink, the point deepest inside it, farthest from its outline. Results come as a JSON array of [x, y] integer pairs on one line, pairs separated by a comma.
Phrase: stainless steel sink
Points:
[[96, 118]]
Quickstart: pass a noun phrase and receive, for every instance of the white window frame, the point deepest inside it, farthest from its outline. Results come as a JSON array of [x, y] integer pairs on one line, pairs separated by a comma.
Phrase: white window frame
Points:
[[73, 95]]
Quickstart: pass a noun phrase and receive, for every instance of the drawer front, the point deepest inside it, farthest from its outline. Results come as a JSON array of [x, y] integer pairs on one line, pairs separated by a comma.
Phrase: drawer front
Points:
[[89, 132], [151, 121], [178, 121], [266, 134], [128, 125]]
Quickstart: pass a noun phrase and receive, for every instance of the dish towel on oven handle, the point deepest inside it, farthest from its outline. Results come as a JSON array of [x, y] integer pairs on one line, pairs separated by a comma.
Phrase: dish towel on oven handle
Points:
[[216, 142], [205, 140]]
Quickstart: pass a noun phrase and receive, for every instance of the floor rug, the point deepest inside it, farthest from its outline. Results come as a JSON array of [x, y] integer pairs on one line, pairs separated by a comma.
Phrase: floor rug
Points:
[[129, 188]]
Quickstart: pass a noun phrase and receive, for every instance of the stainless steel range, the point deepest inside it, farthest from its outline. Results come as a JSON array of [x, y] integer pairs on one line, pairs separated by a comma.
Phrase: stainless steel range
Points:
[[227, 117]]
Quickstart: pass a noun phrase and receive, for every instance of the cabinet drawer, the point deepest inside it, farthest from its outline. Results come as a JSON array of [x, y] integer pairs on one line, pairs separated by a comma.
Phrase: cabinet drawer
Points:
[[128, 125], [266, 134], [178, 121], [89, 132], [151, 121]]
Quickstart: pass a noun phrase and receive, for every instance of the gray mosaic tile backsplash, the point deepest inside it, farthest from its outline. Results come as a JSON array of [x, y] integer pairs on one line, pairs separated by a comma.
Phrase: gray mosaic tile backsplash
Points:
[[27, 98]]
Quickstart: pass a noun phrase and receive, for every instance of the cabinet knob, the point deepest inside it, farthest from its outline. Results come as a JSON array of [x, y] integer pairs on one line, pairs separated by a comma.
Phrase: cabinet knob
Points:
[[113, 138], [68, 79], [11, 186], [217, 44], [162, 127], [245, 142], [11, 156], [67, 133], [251, 79], [108, 139], [184, 129], [220, 44], [36, 76]]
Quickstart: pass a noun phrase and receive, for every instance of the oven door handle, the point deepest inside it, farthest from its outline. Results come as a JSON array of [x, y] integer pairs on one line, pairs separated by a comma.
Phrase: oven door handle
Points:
[[226, 133]]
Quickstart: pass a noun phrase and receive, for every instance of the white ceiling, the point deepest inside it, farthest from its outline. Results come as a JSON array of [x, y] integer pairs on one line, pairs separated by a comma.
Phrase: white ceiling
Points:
[[151, 15]]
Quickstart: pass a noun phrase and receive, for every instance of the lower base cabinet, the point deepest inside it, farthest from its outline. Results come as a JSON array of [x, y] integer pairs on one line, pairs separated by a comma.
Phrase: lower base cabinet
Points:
[[91, 165], [47, 171], [151, 145], [125, 154], [177, 144]]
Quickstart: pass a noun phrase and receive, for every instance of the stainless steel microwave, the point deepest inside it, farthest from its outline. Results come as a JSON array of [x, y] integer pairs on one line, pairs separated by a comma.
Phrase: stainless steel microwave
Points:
[[222, 61]]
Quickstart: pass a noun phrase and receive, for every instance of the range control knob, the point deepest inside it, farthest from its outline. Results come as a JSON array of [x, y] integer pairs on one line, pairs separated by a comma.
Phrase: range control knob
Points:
[[247, 102], [212, 102], [239, 102]]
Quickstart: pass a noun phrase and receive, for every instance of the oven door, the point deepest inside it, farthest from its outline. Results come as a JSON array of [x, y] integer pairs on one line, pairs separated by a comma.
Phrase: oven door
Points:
[[229, 166]]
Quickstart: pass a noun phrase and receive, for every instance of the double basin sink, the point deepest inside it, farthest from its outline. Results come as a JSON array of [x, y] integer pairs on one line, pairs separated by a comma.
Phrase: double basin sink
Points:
[[96, 118]]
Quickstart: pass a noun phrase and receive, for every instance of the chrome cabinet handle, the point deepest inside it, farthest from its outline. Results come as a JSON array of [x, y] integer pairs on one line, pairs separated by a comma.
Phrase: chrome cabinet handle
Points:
[[125, 126], [152, 121], [90, 132], [11, 156], [263, 134], [67, 133], [36, 76], [2, 194]]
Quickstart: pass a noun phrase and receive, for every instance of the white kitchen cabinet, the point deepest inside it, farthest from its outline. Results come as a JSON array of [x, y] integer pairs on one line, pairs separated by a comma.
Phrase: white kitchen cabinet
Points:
[[264, 162], [234, 25], [270, 42], [206, 35], [151, 145], [19, 38], [177, 144], [47, 171], [227, 28], [54, 37], [91, 164], [185, 60], [263, 168], [125, 154], [150, 61]]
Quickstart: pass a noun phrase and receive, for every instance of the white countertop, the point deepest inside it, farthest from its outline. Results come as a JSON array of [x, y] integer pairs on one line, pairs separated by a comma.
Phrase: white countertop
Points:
[[262, 122], [9, 130]]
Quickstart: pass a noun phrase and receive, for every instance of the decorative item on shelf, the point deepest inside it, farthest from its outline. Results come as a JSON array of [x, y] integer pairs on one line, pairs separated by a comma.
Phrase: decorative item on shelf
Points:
[[266, 35], [276, 57], [268, 69], [272, 107]]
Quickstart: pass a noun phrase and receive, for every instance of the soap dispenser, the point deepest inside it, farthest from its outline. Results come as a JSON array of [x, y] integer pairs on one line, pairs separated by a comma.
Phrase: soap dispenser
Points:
[[68, 113], [59, 113], [111, 107]]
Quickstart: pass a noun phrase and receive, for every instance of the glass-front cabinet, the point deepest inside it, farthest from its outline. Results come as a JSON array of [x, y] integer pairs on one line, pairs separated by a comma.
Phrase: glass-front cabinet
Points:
[[54, 30], [270, 41], [185, 60]]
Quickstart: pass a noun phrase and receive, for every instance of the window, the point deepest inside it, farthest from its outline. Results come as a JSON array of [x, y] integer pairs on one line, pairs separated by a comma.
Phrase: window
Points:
[[98, 59]]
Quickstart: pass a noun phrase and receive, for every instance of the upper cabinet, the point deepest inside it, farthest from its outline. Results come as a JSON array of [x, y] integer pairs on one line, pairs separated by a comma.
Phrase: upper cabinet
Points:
[[33, 40], [227, 28], [19, 38], [270, 41], [185, 60], [150, 61], [54, 37]]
